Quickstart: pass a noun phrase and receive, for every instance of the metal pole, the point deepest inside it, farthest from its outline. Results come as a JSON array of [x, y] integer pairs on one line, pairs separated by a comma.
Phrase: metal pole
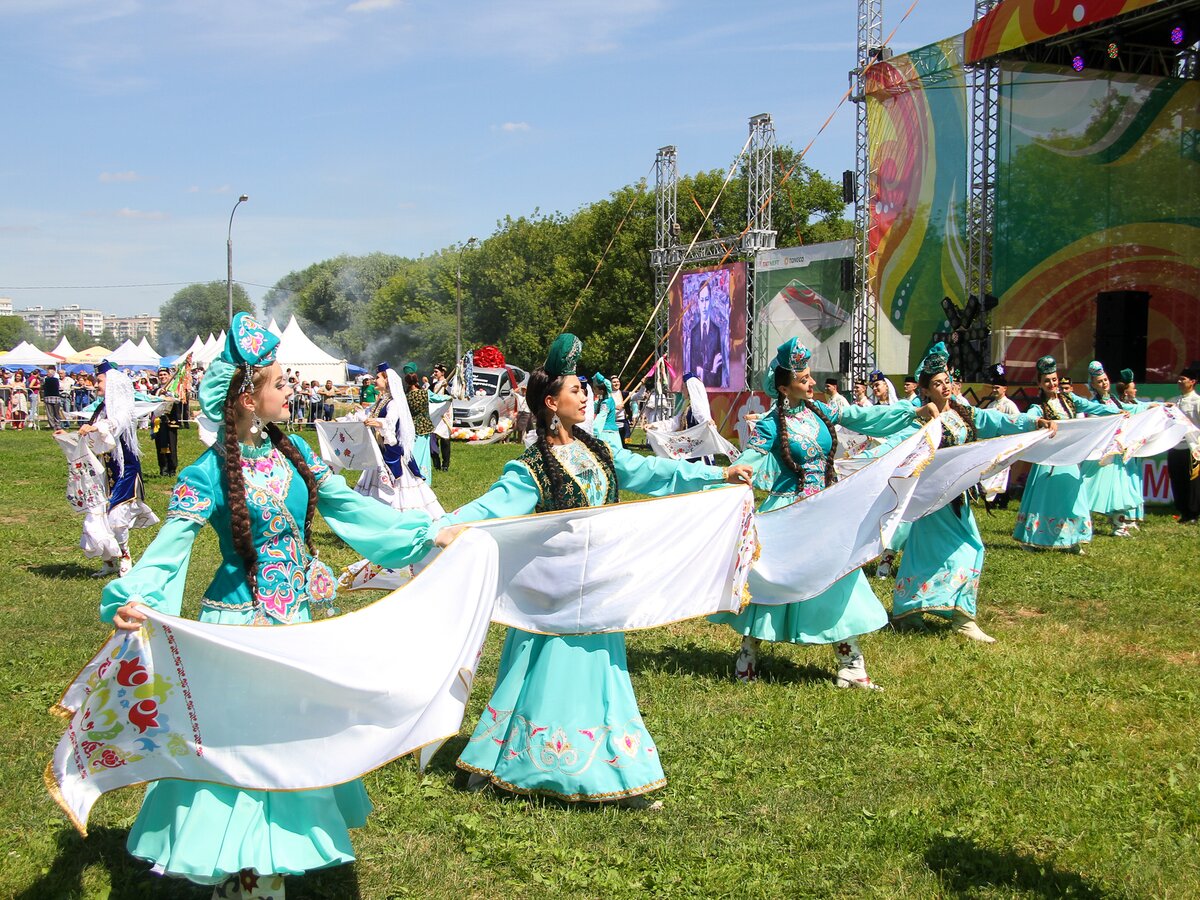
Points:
[[458, 303], [229, 258]]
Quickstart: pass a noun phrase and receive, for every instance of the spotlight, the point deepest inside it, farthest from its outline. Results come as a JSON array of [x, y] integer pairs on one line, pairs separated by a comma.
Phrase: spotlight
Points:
[[1077, 63], [1113, 51], [1177, 35]]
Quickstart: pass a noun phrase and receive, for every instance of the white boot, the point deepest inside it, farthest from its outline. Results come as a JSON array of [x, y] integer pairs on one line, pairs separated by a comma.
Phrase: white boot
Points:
[[886, 563], [852, 668], [110, 567], [125, 563], [745, 667], [966, 626]]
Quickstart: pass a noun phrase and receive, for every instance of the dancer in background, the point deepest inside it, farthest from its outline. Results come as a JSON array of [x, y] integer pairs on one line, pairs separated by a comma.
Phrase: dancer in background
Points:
[[418, 399], [995, 488], [943, 555], [259, 490], [1183, 466], [604, 426], [1115, 489], [793, 447], [114, 439], [563, 720], [834, 397], [1055, 508]]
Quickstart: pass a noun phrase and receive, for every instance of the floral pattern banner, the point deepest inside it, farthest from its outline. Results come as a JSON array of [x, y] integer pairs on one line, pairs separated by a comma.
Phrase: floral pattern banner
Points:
[[1097, 190], [917, 147]]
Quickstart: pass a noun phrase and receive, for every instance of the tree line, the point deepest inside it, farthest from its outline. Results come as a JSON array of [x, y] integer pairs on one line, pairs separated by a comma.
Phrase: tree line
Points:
[[520, 283]]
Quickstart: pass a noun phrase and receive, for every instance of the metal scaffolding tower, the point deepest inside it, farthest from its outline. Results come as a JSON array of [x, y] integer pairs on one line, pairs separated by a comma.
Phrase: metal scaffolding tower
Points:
[[984, 99], [669, 254], [865, 321]]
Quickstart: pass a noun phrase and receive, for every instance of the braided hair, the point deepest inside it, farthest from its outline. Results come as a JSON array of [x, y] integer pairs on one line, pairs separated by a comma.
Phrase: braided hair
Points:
[[541, 386], [783, 377], [235, 479], [965, 412]]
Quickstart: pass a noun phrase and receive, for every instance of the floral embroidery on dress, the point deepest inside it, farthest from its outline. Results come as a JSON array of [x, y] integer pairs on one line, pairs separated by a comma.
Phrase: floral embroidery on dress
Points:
[[583, 468], [943, 587], [1052, 531], [186, 503], [559, 749]]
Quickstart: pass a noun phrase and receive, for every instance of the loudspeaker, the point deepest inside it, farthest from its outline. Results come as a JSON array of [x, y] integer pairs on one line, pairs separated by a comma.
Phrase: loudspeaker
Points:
[[844, 357], [848, 186], [847, 274], [1122, 318]]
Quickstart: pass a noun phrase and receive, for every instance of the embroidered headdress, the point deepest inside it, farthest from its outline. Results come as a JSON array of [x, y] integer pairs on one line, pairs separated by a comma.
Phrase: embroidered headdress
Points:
[[410, 368], [1095, 369], [563, 356], [248, 346], [1127, 376], [936, 360], [1047, 365], [105, 366], [791, 356], [599, 380]]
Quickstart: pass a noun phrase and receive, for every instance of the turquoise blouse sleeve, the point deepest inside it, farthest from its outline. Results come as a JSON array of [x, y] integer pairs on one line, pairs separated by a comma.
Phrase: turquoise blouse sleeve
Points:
[[991, 423], [515, 493], [1092, 408], [760, 443], [159, 577], [388, 537], [1034, 411], [659, 477], [875, 421]]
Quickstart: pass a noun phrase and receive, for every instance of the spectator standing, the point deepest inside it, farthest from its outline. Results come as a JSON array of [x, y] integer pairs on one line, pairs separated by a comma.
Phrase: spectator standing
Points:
[[327, 395], [51, 394]]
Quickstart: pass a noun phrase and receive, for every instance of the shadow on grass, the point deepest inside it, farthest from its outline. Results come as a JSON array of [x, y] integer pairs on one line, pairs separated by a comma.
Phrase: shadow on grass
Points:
[[62, 570], [965, 867], [131, 878], [717, 665]]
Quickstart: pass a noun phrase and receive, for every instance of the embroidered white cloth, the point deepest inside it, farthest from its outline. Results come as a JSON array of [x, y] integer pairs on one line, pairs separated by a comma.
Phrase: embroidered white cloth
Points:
[[1076, 440], [687, 443], [348, 445], [1154, 431], [314, 704], [365, 575], [278, 708], [87, 480], [846, 525], [625, 567]]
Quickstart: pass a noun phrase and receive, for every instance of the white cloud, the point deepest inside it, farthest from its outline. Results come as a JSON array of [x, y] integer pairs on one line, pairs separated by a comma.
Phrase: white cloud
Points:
[[511, 127], [119, 177], [372, 5], [127, 213], [194, 189], [223, 189]]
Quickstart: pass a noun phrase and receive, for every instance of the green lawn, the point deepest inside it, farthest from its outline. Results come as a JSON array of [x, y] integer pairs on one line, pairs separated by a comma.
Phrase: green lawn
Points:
[[1062, 761]]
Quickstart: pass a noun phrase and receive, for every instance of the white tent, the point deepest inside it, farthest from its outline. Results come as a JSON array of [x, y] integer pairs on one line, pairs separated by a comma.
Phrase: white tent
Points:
[[144, 346], [27, 356], [64, 348], [195, 348], [207, 353], [298, 353], [274, 328], [130, 354]]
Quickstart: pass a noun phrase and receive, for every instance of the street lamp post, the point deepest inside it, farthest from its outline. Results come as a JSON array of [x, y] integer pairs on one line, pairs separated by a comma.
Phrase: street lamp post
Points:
[[229, 257], [458, 302]]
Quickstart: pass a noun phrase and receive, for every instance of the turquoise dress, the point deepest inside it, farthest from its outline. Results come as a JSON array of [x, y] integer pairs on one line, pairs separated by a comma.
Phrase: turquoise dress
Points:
[[1116, 489], [849, 607], [943, 556], [206, 832], [563, 720], [605, 424], [1055, 508], [418, 407]]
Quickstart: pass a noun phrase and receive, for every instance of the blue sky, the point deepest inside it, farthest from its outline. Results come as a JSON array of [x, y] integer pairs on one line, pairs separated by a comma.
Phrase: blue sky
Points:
[[376, 125]]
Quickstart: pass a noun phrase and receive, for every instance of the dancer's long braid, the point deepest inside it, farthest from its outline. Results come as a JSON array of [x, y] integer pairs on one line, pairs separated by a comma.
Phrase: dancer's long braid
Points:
[[293, 455], [235, 490], [541, 386]]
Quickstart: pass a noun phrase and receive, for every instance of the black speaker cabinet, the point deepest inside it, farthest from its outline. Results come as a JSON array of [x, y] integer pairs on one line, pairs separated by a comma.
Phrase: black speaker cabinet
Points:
[[1122, 319]]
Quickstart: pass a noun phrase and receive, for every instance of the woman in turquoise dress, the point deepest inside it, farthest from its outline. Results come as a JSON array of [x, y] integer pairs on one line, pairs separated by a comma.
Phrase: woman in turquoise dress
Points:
[[797, 468], [943, 556], [1115, 489], [259, 490], [563, 720], [1055, 509], [604, 426]]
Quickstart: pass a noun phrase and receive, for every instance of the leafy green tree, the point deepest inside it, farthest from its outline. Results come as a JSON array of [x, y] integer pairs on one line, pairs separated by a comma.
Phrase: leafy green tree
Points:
[[197, 310], [13, 330]]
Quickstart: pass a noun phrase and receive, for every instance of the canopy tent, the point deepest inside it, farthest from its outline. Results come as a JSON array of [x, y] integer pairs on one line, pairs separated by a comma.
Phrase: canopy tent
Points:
[[298, 353], [274, 328], [207, 353], [144, 346], [25, 356], [90, 356], [64, 348], [131, 356]]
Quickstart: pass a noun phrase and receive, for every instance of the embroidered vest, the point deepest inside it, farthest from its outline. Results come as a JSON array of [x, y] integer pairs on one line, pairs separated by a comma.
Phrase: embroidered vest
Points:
[[572, 496]]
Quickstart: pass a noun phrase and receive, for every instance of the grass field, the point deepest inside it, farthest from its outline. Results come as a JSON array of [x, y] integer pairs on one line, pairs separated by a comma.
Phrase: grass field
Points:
[[1062, 761]]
